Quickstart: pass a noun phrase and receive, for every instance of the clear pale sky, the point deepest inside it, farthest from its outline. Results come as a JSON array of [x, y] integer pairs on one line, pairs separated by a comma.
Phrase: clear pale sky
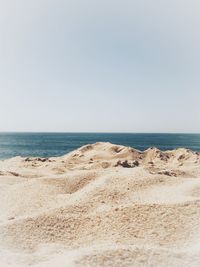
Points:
[[104, 65]]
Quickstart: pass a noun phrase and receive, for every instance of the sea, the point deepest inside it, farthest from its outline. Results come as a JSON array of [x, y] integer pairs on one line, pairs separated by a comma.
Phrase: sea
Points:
[[57, 144]]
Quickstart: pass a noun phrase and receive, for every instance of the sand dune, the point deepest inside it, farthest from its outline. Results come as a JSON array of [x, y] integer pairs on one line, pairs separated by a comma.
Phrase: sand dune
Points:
[[101, 205]]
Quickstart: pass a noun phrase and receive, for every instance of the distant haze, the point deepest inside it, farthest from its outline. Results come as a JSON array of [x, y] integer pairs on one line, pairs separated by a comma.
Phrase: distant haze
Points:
[[102, 66]]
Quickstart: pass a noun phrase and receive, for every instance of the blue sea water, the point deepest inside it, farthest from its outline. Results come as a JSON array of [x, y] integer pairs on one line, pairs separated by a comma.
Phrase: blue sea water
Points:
[[56, 144]]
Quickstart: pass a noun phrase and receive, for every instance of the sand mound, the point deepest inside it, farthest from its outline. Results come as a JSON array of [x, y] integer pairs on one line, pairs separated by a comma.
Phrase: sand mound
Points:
[[101, 205]]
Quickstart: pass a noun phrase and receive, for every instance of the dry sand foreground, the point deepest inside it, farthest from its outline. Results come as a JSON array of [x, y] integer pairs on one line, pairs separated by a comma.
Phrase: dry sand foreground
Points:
[[101, 205]]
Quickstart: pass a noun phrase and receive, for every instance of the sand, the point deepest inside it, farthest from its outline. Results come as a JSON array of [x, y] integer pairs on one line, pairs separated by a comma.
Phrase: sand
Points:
[[101, 205]]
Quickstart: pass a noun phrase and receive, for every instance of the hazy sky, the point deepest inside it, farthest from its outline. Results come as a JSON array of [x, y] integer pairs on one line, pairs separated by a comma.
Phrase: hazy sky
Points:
[[100, 65]]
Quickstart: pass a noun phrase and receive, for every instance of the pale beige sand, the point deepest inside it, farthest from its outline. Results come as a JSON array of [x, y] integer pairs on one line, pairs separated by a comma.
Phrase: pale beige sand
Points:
[[101, 205]]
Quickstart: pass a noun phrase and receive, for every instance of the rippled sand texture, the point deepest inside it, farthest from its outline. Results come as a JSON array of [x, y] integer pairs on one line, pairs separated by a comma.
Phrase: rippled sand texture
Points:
[[101, 205]]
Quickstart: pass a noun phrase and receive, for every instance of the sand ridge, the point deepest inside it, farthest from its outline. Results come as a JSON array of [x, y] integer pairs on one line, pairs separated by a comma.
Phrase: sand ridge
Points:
[[101, 205]]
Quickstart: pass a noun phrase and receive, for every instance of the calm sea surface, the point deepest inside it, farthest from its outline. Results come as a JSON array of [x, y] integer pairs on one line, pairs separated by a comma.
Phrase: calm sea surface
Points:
[[56, 144]]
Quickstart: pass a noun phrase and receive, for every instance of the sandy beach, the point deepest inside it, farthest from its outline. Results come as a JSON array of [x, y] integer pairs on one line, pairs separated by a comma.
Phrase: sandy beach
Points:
[[101, 205]]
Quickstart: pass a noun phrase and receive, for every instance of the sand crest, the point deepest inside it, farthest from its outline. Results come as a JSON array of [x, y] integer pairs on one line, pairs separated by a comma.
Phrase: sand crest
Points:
[[101, 205]]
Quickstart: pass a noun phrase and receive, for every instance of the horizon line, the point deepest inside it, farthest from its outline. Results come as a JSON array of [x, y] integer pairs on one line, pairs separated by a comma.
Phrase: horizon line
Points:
[[92, 132]]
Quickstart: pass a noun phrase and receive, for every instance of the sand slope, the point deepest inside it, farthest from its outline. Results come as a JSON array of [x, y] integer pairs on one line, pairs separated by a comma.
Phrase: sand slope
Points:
[[101, 205]]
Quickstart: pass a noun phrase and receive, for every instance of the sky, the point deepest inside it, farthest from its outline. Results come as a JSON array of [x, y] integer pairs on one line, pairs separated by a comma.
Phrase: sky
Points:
[[100, 66]]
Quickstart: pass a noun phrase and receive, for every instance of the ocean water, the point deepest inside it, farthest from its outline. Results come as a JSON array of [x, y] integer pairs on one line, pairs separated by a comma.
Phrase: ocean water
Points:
[[56, 144]]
